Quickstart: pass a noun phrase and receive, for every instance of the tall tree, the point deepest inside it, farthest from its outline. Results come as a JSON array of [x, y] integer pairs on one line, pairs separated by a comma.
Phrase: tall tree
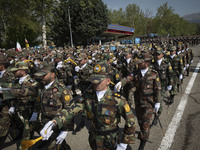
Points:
[[89, 18]]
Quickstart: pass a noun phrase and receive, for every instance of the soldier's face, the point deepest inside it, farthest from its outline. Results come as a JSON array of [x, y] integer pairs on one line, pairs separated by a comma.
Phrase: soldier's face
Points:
[[172, 52], [142, 65], [1, 67], [48, 78], [103, 85], [159, 56], [18, 73]]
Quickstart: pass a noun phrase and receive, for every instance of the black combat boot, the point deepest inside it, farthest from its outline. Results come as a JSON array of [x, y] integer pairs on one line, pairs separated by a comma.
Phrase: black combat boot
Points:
[[171, 99], [142, 144]]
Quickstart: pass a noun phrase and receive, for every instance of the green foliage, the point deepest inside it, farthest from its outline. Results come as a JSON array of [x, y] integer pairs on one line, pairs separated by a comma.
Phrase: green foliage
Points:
[[165, 22]]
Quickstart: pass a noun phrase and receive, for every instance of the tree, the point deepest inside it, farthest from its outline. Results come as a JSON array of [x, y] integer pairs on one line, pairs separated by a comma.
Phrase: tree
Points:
[[89, 18]]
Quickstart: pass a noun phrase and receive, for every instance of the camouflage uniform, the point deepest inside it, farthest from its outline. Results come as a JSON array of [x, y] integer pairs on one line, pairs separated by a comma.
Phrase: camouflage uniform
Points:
[[105, 115], [147, 93], [189, 58], [25, 93], [165, 73], [177, 66], [52, 100], [127, 69], [6, 80]]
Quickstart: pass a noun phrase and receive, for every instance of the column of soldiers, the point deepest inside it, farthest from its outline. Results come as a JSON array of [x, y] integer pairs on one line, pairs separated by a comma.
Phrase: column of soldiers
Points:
[[45, 89]]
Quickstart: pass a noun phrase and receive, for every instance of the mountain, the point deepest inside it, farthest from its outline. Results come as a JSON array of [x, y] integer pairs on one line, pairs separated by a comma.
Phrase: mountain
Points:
[[194, 18]]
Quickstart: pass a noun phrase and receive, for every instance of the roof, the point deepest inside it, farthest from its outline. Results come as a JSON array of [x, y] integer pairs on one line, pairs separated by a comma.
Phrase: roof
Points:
[[120, 28]]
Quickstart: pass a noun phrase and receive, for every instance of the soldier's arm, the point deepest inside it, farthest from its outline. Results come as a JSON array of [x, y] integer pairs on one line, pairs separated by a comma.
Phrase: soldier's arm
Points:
[[157, 89], [170, 73], [65, 115], [181, 71], [129, 129], [29, 90], [66, 97]]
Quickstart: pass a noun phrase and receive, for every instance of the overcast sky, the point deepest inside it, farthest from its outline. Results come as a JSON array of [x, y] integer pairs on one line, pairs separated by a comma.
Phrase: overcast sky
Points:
[[181, 7]]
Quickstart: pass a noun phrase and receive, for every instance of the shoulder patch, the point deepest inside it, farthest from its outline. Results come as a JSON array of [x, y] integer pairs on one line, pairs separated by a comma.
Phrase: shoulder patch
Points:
[[127, 108], [170, 68], [67, 97], [80, 99], [157, 79], [55, 90]]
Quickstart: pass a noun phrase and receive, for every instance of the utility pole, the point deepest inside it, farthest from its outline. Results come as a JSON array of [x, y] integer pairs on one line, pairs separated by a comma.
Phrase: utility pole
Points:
[[44, 32], [70, 28]]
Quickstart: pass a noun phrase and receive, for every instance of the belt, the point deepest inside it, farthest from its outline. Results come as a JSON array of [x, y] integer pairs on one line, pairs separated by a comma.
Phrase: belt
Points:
[[150, 94], [98, 132]]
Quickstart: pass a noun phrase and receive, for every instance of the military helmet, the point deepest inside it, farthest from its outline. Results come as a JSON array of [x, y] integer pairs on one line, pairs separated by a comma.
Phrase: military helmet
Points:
[[172, 48], [3, 60], [44, 70], [143, 57], [159, 50], [101, 71], [20, 66]]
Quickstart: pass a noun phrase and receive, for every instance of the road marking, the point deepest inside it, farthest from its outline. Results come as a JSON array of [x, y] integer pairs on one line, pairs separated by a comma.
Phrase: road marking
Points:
[[170, 133]]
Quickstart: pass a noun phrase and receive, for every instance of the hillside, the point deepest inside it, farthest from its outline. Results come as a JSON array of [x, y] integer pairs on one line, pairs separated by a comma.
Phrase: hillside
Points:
[[194, 18]]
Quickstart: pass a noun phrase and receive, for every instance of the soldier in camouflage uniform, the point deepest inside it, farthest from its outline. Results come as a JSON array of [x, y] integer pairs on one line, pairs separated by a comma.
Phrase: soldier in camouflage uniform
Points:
[[6, 102], [54, 97], [83, 71], [128, 66], [147, 95], [177, 67], [104, 108], [189, 58], [25, 90], [164, 69]]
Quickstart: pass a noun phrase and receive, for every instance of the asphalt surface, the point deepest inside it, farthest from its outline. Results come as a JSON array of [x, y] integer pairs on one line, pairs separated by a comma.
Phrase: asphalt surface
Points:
[[186, 135]]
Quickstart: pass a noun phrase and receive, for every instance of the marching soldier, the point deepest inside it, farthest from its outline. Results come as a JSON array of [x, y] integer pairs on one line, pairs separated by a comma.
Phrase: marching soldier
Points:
[[177, 66], [189, 58], [25, 90], [147, 95], [104, 108], [54, 97], [164, 69], [6, 103]]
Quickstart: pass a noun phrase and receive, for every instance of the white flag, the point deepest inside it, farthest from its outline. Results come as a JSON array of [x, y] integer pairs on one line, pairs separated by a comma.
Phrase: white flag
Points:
[[18, 46]]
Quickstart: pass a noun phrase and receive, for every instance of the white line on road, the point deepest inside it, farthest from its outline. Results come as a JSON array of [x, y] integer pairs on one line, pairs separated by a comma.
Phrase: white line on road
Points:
[[169, 136]]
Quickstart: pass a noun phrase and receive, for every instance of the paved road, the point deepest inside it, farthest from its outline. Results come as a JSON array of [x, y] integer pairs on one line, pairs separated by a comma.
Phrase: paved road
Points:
[[186, 131]]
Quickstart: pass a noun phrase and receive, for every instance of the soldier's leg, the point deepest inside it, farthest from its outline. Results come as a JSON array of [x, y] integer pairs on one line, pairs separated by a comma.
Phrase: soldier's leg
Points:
[[173, 91], [52, 142], [188, 70], [144, 116], [5, 121]]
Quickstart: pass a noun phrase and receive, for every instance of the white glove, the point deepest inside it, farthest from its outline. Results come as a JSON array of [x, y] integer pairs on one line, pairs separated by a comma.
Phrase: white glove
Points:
[[90, 61], [181, 77], [169, 87], [115, 62], [157, 106], [118, 87], [11, 110], [121, 146], [47, 131], [33, 117], [191, 61], [187, 65], [61, 137], [77, 68], [93, 58], [184, 68]]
